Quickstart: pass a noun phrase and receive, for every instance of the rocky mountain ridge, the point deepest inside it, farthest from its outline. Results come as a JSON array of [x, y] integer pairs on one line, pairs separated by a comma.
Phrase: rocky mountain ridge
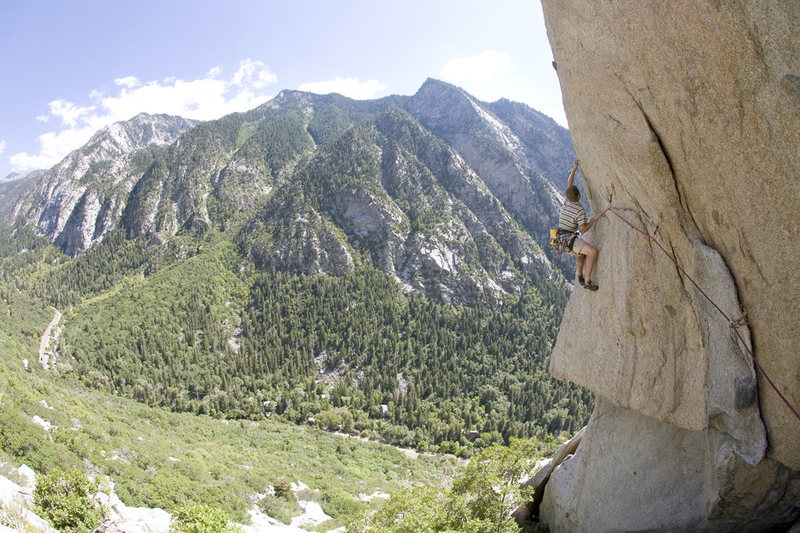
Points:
[[79, 200], [434, 189]]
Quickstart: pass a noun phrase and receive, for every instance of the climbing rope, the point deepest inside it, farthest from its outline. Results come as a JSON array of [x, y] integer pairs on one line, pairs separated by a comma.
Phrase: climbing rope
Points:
[[735, 323]]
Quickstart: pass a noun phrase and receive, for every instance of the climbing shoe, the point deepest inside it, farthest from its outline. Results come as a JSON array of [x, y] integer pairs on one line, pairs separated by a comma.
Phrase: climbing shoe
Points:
[[582, 281], [591, 286]]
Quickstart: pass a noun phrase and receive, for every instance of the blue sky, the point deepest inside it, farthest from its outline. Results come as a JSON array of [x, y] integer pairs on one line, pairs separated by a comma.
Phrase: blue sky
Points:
[[73, 67]]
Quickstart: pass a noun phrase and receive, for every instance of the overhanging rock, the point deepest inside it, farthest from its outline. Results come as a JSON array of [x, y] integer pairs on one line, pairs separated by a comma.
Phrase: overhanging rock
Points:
[[685, 116]]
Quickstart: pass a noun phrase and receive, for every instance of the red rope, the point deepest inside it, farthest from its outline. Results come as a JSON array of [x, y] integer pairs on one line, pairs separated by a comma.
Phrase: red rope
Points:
[[707, 297]]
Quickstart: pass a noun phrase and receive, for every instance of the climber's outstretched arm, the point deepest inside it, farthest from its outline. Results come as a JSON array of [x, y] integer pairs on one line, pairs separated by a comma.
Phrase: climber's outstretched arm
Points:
[[586, 227], [571, 179]]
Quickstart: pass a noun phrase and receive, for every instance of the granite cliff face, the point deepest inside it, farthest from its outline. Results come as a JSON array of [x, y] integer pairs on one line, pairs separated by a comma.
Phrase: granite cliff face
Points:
[[686, 120]]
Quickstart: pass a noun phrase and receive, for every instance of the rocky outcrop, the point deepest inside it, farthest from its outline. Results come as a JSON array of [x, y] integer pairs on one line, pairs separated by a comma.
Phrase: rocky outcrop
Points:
[[525, 515], [290, 235], [13, 189], [685, 117], [17, 500], [80, 199], [390, 192], [634, 473]]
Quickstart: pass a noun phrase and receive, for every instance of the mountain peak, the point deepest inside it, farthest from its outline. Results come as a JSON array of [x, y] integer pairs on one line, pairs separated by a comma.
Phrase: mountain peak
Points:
[[441, 106], [78, 200], [434, 89], [160, 128], [433, 83]]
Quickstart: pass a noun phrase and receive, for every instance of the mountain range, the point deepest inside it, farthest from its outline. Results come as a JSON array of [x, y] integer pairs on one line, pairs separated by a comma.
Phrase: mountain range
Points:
[[450, 195]]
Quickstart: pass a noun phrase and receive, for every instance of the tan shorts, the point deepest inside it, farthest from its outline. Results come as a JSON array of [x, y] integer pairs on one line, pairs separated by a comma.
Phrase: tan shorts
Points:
[[577, 246]]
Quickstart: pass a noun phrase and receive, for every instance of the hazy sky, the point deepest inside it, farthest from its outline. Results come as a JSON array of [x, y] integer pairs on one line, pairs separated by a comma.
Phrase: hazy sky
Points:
[[71, 67]]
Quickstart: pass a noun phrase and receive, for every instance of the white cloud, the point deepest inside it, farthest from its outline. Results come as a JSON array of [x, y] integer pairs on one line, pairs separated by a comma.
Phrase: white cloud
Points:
[[350, 87], [202, 99], [488, 76], [54, 146], [479, 69], [69, 113], [253, 73], [128, 81]]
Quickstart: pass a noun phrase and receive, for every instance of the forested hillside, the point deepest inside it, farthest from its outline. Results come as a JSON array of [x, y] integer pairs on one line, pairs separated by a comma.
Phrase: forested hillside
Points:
[[195, 335], [159, 459]]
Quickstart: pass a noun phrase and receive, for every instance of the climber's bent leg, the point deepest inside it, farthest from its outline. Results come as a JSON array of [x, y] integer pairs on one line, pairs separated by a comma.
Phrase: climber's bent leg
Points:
[[590, 254]]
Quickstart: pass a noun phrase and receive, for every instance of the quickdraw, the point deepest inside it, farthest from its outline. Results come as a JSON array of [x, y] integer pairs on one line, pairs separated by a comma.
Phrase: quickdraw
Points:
[[741, 321]]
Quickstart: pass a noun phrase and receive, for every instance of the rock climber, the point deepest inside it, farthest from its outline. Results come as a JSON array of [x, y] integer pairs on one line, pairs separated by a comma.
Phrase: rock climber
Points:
[[573, 220]]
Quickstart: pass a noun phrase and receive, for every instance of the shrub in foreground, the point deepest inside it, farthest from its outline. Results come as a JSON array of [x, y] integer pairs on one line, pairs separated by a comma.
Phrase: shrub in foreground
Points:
[[480, 499], [67, 500], [201, 519]]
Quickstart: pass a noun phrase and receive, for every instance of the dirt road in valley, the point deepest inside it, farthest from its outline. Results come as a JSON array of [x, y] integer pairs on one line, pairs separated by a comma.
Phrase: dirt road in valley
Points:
[[44, 355]]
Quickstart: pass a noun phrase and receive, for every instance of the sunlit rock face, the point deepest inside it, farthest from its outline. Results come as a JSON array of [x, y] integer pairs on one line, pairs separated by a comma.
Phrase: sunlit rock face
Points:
[[686, 119]]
